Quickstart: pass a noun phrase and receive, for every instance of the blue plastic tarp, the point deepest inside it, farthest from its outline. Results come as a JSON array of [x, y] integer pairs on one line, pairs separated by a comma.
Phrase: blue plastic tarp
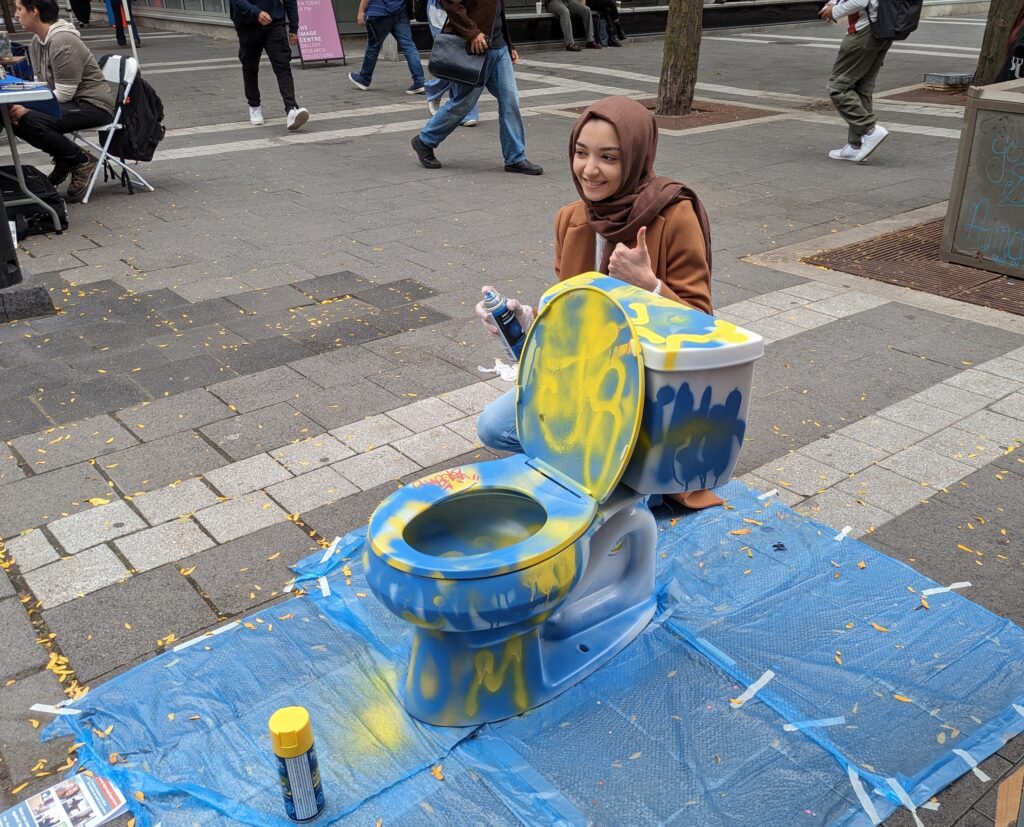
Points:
[[878, 684]]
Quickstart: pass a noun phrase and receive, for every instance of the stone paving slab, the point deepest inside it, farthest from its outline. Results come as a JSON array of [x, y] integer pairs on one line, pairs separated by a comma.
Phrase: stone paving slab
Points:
[[74, 577], [68, 444], [311, 490], [259, 471], [95, 526], [153, 547], [31, 502], [260, 431], [161, 462], [180, 412], [307, 454], [19, 739], [237, 517]]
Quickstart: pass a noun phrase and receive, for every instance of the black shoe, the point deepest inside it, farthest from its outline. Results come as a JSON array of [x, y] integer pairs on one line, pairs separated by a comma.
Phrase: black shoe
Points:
[[524, 167], [573, 47], [122, 42], [426, 154], [619, 33], [60, 172], [613, 41], [593, 44]]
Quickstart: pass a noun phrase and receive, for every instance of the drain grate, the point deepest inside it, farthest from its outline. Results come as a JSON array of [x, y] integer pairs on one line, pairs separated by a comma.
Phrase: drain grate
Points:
[[910, 258]]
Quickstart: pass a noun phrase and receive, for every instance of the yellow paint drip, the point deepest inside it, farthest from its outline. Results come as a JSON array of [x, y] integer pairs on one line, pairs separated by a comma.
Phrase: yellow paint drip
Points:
[[553, 578], [494, 677]]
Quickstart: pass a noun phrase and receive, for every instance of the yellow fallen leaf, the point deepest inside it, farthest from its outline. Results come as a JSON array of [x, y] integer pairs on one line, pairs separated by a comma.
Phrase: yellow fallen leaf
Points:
[[964, 548], [274, 556], [838, 657], [98, 501], [752, 521], [436, 772], [903, 698], [170, 716], [110, 440], [19, 788], [140, 796], [862, 565], [113, 757], [740, 531], [924, 603], [878, 628], [186, 572], [34, 722]]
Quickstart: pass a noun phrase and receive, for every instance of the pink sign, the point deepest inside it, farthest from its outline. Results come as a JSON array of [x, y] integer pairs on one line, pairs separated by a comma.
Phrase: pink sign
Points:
[[318, 31]]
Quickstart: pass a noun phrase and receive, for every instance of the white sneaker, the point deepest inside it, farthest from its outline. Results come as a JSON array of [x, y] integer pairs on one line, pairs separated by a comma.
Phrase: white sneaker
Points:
[[869, 143], [432, 107], [470, 122], [847, 153], [256, 115], [297, 117]]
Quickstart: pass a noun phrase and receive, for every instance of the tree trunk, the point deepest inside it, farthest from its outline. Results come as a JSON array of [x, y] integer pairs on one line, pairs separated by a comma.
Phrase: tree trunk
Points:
[[1001, 17], [680, 57]]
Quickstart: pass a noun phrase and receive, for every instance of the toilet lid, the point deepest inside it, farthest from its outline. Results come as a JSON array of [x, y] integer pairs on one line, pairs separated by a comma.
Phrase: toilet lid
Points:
[[580, 389]]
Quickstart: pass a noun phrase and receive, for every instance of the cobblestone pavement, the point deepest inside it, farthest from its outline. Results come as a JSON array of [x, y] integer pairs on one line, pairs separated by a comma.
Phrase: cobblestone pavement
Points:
[[250, 358]]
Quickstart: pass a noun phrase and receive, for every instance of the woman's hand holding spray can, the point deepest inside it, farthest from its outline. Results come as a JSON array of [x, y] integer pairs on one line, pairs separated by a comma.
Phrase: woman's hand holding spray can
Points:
[[507, 319]]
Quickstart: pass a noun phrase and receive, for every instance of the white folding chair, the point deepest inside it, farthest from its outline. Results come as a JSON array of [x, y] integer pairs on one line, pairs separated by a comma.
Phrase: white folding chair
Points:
[[112, 74]]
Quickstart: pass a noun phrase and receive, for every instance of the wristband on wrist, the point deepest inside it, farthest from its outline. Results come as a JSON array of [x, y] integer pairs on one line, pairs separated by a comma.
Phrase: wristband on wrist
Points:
[[657, 290]]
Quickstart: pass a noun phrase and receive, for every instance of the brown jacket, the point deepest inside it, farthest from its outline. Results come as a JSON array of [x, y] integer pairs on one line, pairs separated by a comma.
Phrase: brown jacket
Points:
[[468, 18], [674, 240]]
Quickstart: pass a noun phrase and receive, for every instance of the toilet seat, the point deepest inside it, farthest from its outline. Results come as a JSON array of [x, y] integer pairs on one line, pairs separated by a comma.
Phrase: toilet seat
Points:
[[579, 403], [567, 515]]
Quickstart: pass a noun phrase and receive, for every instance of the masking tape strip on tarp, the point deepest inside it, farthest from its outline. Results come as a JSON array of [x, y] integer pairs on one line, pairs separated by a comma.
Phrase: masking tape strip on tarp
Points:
[[944, 589], [905, 800], [862, 795], [227, 627], [55, 710], [752, 690], [820, 722], [969, 760]]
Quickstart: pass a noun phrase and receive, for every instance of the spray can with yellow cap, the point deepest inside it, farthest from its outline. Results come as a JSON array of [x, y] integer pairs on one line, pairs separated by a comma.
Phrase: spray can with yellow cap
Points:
[[291, 735]]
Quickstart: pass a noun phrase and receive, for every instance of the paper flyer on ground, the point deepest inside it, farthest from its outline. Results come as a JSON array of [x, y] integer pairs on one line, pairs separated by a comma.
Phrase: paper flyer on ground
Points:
[[81, 801]]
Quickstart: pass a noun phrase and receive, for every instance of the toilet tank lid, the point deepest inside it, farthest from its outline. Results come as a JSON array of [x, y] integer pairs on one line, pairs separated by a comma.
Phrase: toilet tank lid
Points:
[[672, 335]]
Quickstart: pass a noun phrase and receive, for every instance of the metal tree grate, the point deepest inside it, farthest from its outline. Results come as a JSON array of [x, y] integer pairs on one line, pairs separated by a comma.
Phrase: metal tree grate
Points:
[[910, 258]]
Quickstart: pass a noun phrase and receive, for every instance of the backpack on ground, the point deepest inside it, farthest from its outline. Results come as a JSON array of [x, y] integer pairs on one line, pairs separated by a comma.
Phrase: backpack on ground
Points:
[[142, 127], [31, 219], [896, 19]]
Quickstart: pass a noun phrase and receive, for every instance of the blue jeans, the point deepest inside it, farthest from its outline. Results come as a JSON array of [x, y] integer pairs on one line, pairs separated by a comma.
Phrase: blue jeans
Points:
[[436, 87], [500, 81], [378, 28], [496, 425]]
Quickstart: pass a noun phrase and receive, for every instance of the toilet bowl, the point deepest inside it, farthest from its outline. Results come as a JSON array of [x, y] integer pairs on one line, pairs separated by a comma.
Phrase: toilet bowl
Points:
[[523, 575]]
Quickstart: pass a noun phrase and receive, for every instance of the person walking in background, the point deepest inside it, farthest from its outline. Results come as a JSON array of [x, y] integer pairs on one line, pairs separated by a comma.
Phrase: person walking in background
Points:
[[565, 11], [61, 60], [628, 223], [269, 26], [383, 18], [852, 82], [122, 40], [609, 11], [436, 87], [482, 24], [83, 11]]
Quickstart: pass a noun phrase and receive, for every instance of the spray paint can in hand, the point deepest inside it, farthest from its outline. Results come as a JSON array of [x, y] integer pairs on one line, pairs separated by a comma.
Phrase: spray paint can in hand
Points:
[[510, 331], [291, 735]]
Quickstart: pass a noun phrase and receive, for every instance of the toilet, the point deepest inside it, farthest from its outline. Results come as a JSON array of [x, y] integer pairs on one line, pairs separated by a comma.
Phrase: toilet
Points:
[[523, 575]]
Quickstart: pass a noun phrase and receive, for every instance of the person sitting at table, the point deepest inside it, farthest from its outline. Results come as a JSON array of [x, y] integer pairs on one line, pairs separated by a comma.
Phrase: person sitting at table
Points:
[[61, 60]]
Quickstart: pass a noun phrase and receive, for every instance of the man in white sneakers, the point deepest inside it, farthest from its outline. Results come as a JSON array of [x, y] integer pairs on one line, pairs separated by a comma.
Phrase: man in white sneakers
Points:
[[852, 82], [269, 26]]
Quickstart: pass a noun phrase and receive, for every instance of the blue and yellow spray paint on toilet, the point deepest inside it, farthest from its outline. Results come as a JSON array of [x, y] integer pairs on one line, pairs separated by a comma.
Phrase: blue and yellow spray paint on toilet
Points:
[[523, 575]]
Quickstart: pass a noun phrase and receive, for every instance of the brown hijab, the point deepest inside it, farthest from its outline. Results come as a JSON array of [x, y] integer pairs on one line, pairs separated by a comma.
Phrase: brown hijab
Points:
[[642, 195]]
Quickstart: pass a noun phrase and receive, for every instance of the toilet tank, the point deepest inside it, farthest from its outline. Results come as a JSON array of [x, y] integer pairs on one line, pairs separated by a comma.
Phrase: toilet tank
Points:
[[698, 374]]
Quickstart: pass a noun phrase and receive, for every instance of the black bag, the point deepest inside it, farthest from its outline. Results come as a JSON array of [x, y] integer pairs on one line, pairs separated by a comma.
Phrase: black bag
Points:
[[31, 219], [896, 19], [23, 69], [419, 11], [450, 59], [142, 126]]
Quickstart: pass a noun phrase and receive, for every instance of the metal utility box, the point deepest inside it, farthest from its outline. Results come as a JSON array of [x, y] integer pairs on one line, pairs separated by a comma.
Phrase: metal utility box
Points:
[[985, 218]]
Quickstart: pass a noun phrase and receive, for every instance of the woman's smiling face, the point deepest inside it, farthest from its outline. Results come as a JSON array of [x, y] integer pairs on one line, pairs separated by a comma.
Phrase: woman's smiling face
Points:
[[597, 160]]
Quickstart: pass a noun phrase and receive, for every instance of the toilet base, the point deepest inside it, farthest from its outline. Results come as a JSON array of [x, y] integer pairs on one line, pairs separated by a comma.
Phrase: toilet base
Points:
[[468, 678]]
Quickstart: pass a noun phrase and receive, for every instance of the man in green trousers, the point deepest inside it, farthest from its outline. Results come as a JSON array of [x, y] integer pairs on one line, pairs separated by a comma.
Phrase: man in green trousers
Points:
[[852, 82]]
